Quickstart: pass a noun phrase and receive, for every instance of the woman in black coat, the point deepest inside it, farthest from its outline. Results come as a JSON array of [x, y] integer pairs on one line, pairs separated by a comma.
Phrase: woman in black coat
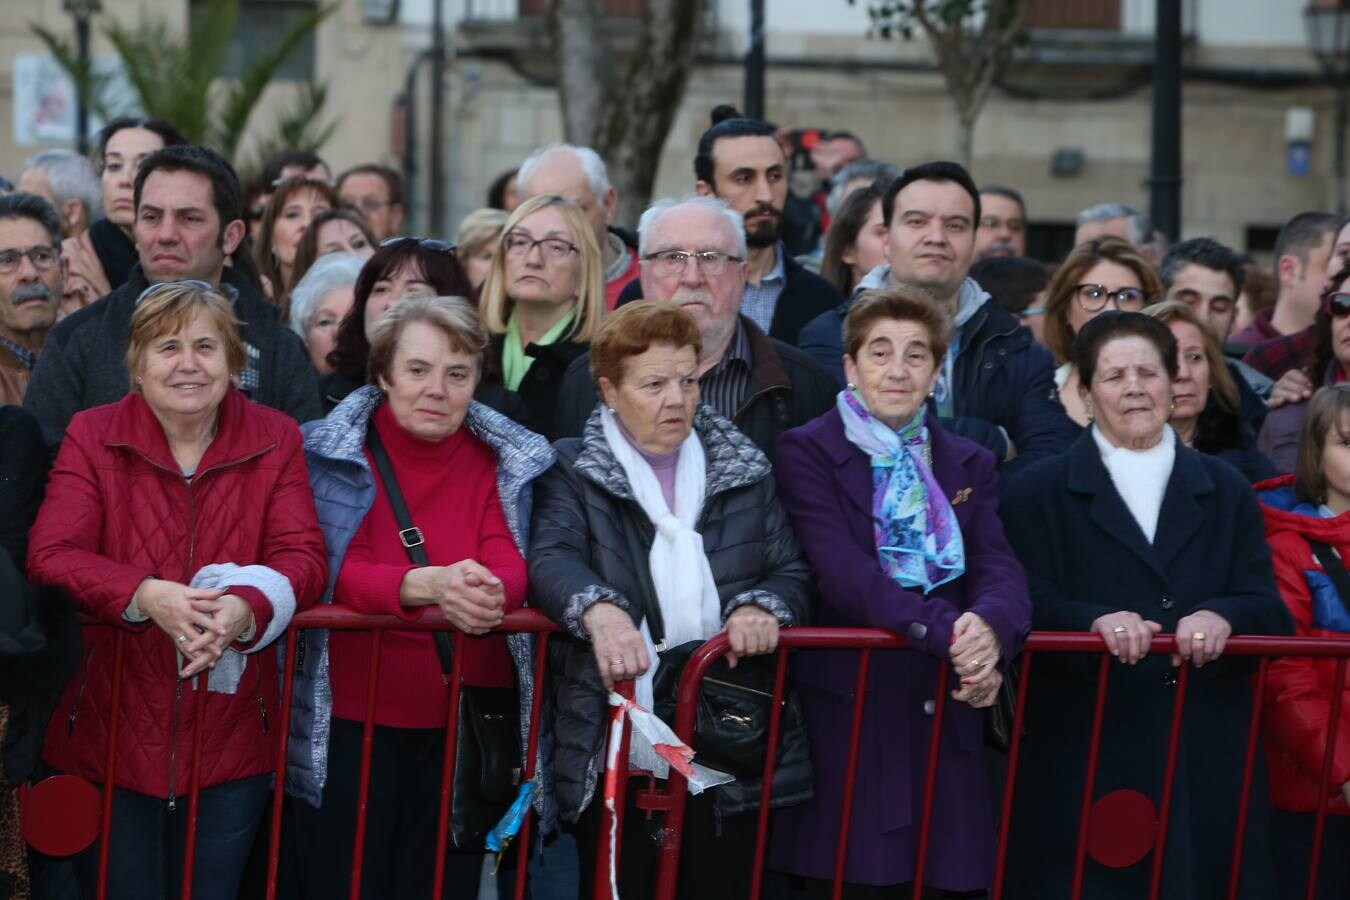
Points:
[[1130, 534], [599, 566], [542, 301]]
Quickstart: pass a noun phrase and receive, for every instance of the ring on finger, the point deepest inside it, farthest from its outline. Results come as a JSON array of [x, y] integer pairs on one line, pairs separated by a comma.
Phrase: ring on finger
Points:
[[182, 639], [1119, 629]]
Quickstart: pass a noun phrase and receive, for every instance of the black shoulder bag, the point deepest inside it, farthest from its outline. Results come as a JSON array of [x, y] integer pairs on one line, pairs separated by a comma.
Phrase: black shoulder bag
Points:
[[487, 749]]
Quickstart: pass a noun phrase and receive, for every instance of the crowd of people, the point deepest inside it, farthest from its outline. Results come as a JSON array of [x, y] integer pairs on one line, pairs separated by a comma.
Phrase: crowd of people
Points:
[[221, 405]]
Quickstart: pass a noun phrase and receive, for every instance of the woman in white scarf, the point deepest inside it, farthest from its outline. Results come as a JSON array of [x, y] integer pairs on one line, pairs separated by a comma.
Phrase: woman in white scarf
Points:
[[662, 522]]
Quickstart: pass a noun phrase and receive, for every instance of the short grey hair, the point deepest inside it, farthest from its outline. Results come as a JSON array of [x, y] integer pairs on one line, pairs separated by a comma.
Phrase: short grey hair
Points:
[[70, 176], [456, 317], [23, 205], [597, 176], [871, 169], [652, 216], [328, 273], [1138, 223]]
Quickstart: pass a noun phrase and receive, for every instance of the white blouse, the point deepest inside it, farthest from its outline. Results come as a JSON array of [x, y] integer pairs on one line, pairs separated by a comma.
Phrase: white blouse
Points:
[[1140, 476]]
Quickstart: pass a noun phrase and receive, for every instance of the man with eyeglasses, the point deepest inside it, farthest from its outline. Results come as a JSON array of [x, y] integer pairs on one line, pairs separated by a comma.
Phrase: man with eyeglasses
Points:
[[693, 253], [377, 193], [30, 286], [189, 220], [1003, 223], [996, 384]]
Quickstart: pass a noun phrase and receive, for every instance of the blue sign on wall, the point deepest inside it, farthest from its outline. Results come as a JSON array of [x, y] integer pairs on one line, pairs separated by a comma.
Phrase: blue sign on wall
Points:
[[1298, 159]]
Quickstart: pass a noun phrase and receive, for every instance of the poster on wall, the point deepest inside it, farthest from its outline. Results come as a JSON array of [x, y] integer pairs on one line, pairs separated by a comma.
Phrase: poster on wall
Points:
[[44, 98]]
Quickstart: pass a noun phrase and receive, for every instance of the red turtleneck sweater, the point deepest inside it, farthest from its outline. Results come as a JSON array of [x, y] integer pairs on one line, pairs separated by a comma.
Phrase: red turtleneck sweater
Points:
[[451, 491]]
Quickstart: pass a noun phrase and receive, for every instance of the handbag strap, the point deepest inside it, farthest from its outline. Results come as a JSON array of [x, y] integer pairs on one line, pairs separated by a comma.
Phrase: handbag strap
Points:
[[1334, 567], [409, 535]]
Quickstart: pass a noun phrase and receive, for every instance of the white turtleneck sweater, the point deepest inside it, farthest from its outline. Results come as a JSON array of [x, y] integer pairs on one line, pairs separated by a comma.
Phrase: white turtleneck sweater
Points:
[[1140, 476]]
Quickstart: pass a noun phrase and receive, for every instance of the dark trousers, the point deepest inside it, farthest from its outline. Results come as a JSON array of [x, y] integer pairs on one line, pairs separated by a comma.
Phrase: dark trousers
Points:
[[816, 889], [716, 853], [1291, 840], [404, 800], [147, 840]]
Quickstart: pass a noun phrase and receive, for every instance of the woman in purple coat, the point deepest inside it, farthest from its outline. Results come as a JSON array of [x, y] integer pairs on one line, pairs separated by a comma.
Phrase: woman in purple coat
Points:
[[900, 521]]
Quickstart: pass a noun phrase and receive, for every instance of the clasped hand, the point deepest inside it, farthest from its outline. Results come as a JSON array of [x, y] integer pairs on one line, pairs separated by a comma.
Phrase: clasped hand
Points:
[[974, 654], [470, 596], [201, 623], [1201, 636]]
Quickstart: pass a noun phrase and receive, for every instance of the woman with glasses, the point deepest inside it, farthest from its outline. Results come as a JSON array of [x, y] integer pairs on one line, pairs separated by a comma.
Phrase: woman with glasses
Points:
[[543, 300], [1330, 364], [1101, 274], [403, 267]]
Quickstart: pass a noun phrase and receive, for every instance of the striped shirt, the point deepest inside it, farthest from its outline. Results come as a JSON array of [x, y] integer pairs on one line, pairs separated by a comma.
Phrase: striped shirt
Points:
[[760, 300], [724, 387]]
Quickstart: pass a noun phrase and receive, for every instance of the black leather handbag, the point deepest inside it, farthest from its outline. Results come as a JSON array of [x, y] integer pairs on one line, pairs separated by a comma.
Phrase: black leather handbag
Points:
[[487, 746]]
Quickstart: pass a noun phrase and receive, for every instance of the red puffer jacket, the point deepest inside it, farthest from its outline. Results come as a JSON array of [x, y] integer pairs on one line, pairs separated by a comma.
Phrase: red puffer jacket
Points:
[[1297, 702], [118, 511]]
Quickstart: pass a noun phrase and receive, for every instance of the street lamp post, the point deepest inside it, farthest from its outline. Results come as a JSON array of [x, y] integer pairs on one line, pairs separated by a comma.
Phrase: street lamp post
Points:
[[1328, 24], [82, 11]]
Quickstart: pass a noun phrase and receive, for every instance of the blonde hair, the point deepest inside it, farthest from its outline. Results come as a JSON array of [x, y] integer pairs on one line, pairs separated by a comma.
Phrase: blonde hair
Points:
[[589, 308], [166, 308], [1225, 391], [478, 228], [454, 316]]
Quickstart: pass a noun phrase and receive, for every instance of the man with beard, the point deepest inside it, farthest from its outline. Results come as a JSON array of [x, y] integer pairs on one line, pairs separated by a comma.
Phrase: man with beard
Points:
[[1003, 223], [693, 253], [740, 161], [30, 286], [995, 385]]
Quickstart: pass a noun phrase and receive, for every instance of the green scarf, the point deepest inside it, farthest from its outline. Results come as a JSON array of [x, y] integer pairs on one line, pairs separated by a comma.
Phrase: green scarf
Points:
[[515, 362]]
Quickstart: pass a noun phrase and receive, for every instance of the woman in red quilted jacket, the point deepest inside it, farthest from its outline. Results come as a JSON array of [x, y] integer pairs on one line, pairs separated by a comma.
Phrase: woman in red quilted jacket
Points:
[[179, 517], [1302, 511]]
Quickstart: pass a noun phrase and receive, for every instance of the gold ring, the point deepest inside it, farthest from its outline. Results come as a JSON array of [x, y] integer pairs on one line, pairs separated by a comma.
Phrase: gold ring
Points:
[[1120, 629], [1198, 636]]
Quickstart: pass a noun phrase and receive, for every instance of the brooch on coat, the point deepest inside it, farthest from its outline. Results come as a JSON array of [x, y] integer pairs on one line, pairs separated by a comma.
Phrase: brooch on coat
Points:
[[962, 496]]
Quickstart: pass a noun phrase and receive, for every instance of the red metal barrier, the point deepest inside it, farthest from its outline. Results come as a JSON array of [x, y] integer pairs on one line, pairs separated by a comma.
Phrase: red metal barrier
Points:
[[669, 799], [868, 641]]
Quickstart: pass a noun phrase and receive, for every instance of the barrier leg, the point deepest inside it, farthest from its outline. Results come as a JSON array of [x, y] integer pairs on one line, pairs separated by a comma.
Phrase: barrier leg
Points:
[[283, 738], [1248, 768], [363, 785]]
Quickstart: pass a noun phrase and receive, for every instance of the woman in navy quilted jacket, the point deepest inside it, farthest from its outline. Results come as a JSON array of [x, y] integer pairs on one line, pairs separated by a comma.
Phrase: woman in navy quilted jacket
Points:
[[181, 519]]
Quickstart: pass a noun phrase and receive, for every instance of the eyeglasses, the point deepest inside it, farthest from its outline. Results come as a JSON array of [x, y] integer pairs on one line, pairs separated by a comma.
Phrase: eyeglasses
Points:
[[1337, 305], [42, 257], [1032, 311], [1094, 297], [553, 248], [668, 263], [227, 290], [431, 244]]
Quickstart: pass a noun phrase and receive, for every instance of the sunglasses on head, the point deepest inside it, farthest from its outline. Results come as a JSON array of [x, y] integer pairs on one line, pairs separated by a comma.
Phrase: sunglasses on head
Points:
[[431, 244], [1337, 305]]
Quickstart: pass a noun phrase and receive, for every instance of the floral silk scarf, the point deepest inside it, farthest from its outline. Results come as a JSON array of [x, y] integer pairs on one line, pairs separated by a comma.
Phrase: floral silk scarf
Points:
[[918, 541]]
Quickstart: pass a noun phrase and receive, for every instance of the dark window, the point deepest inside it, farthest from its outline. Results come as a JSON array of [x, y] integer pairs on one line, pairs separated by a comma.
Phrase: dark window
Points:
[[1088, 14], [1259, 240], [1050, 242], [260, 26]]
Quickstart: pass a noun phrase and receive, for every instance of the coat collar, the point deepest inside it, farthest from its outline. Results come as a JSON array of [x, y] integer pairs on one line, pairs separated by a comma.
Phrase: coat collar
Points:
[[1179, 519], [950, 458], [733, 459], [133, 425]]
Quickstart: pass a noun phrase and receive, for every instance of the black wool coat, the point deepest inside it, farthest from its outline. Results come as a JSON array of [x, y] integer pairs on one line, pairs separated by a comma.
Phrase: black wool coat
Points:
[[1085, 557], [589, 541]]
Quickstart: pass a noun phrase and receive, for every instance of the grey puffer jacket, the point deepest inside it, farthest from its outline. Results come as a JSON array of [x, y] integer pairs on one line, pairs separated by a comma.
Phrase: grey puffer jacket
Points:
[[344, 490], [590, 544]]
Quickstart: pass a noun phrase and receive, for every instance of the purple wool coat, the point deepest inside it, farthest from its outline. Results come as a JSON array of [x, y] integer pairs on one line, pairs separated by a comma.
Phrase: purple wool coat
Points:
[[825, 483]]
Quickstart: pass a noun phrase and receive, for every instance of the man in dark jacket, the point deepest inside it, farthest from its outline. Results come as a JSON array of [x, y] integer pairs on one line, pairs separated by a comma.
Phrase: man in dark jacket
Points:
[[189, 218], [693, 254], [740, 161], [996, 386]]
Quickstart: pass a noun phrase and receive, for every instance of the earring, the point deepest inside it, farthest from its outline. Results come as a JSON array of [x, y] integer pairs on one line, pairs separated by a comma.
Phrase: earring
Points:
[[138, 379], [851, 386], [611, 410]]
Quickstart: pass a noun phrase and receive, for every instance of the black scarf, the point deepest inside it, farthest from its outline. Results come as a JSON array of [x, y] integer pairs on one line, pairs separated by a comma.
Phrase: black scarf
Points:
[[116, 252]]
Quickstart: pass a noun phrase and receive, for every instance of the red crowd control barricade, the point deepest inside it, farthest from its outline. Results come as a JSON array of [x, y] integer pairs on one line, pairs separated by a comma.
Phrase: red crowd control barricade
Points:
[[333, 618], [671, 798]]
